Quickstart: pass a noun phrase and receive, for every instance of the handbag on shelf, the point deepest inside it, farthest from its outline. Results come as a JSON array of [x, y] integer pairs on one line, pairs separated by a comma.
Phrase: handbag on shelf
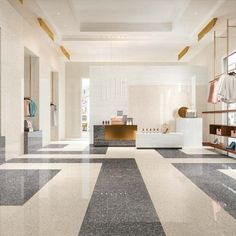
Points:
[[218, 131], [233, 133], [28, 126]]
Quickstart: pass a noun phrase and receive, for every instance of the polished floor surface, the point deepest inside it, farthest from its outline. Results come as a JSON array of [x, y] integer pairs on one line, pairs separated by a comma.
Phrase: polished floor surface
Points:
[[70, 188]]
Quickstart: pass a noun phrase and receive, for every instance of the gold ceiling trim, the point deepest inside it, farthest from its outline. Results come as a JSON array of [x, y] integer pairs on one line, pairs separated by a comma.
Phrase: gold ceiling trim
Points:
[[183, 52], [46, 28], [65, 52], [207, 28]]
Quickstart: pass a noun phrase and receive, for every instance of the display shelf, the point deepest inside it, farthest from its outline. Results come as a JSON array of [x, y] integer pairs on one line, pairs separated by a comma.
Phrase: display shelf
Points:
[[219, 111], [225, 130], [216, 129], [220, 146]]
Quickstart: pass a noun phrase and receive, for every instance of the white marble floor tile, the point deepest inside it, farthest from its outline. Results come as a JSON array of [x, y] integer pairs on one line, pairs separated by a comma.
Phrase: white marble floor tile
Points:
[[192, 151], [230, 173], [58, 208], [182, 207]]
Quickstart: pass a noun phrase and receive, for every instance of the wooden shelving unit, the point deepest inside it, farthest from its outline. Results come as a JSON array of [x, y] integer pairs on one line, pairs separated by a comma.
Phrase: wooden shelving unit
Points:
[[220, 146], [225, 130], [219, 111]]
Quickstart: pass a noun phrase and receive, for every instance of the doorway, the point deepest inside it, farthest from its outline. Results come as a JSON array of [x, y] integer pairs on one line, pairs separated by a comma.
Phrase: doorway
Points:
[[85, 108], [54, 104]]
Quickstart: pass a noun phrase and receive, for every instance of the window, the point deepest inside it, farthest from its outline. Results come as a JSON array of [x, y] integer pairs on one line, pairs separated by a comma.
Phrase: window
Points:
[[232, 61], [232, 66]]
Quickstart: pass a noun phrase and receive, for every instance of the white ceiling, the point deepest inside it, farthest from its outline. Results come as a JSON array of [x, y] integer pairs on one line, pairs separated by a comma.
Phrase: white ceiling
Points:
[[131, 30]]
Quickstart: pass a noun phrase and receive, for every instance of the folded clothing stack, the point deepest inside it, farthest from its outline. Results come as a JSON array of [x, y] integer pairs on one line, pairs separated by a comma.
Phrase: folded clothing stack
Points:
[[117, 120]]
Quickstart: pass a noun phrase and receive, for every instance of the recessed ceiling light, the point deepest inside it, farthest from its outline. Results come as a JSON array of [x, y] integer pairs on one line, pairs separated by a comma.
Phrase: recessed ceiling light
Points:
[[58, 13], [195, 13]]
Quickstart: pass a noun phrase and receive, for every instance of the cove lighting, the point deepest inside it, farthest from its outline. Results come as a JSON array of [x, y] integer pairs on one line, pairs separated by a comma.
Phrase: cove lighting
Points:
[[65, 52], [207, 28], [183, 52], [46, 28]]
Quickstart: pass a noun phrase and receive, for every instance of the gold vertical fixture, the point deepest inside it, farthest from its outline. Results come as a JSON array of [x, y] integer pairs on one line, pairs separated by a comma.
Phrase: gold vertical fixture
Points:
[[65, 52], [207, 28], [183, 52], [30, 78], [46, 28], [52, 87], [21, 1]]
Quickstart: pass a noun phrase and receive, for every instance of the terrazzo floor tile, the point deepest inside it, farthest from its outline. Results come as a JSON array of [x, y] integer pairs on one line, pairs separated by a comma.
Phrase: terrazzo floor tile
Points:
[[18, 186], [177, 153], [120, 204], [209, 178], [88, 150], [58, 145]]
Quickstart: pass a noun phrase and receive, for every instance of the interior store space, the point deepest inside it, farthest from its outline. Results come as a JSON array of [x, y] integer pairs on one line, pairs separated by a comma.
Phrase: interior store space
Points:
[[117, 118]]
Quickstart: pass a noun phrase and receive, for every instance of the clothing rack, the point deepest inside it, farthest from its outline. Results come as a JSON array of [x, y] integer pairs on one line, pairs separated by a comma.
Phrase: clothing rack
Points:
[[216, 77]]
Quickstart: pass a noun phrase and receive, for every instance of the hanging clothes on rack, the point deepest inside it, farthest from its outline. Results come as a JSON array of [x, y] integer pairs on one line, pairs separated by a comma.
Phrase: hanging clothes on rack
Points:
[[226, 88], [30, 108], [212, 98], [26, 107], [53, 108]]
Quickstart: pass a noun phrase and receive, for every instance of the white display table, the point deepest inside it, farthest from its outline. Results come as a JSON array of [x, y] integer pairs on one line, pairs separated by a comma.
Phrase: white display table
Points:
[[192, 130], [159, 140]]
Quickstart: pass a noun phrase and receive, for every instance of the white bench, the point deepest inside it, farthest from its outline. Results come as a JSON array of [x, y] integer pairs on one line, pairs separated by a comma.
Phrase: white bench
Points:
[[159, 140]]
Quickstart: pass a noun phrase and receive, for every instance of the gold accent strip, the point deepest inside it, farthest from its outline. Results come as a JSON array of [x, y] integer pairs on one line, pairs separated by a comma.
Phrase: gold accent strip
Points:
[[183, 52], [65, 52], [207, 28], [120, 132], [46, 28]]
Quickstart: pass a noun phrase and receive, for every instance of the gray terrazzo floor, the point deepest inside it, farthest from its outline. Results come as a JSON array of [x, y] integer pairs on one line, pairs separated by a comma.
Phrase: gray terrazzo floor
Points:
[[215, 184], [177, 153], [18, 186], [120, 203], [59, 145]]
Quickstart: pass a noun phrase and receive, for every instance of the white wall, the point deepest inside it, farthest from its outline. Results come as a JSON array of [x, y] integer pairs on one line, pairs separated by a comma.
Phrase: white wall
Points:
[[16, 34], [75, 72], [115, 88]]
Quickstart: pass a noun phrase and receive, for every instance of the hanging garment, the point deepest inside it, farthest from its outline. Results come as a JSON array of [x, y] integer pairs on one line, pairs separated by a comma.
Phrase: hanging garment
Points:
[[26, 108], [212, 98], [53, 115], [231, 89], [226, 91], [219, 89], [32, 108]]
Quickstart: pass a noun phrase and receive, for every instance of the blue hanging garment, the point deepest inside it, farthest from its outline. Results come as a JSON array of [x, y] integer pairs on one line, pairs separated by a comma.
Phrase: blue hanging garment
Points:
[[32, 108]]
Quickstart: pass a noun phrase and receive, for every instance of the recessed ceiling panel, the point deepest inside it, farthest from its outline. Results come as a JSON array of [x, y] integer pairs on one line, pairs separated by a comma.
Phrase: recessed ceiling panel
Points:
[[125, 27], [127, 10]]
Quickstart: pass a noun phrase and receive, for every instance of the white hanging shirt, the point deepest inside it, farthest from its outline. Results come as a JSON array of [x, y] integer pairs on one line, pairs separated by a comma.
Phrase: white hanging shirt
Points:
[[53, 115], [226, 89]]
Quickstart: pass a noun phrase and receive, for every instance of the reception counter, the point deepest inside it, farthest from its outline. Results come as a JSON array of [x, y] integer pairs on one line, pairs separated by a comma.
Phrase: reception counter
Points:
[[114, 135]]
